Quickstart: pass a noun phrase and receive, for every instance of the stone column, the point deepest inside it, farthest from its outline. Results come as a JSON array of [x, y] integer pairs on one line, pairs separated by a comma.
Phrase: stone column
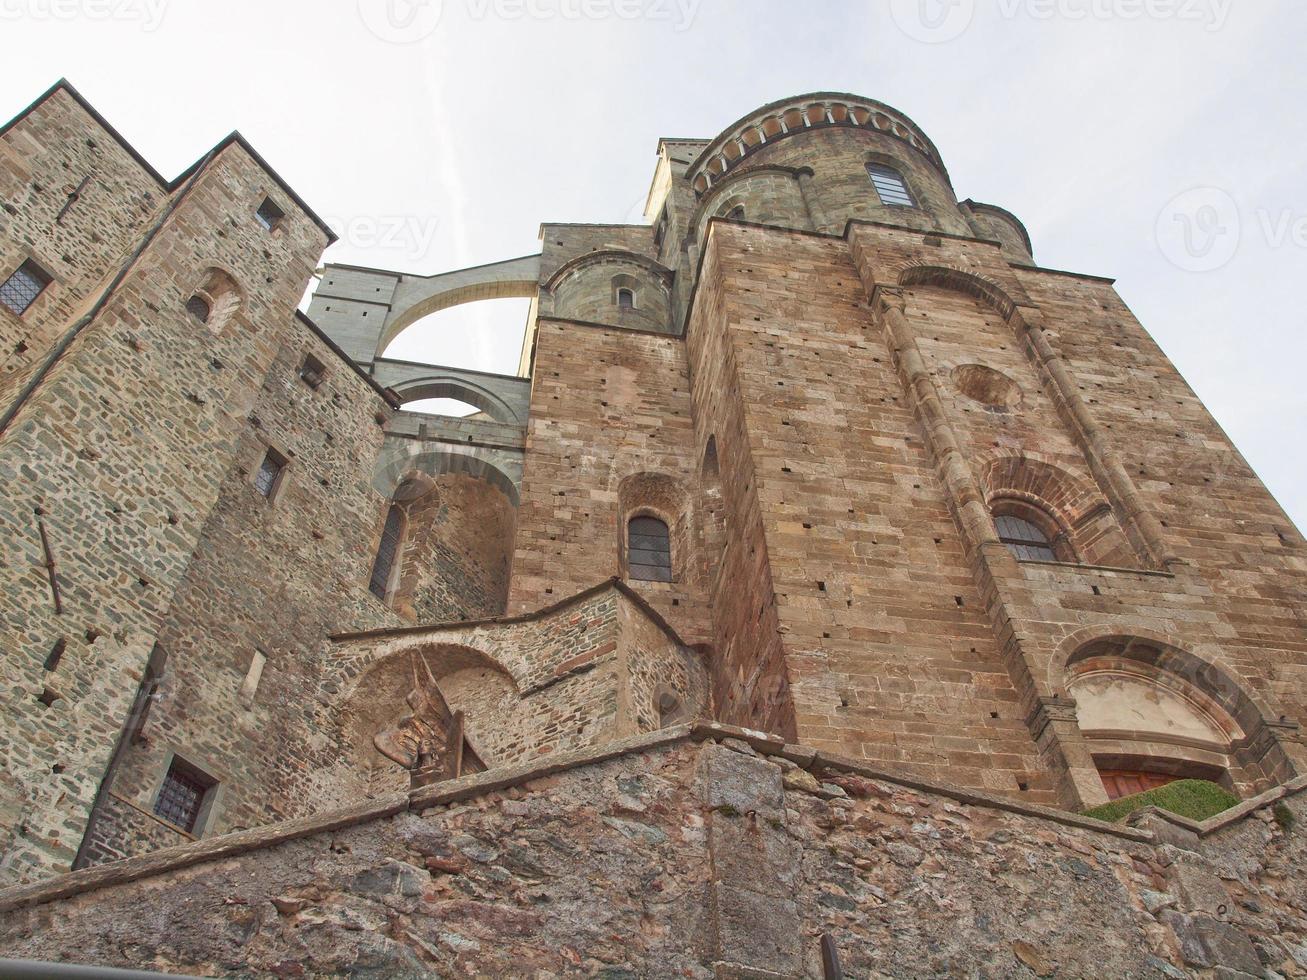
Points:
[[964, 494], [817, 220], [755, 928], [1057, 733], [1104, 461]]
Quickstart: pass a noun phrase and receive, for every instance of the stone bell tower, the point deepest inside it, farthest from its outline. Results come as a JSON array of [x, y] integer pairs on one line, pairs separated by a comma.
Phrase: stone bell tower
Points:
[[930, 504], [962, 515]]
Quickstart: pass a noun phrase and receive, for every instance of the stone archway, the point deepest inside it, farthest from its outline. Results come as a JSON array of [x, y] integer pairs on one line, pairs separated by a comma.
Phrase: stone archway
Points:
[[459, 679], [1146, 702]]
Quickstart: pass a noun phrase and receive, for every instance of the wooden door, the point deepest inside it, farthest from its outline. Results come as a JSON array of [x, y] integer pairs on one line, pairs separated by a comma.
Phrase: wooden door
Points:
[[1125, 782]]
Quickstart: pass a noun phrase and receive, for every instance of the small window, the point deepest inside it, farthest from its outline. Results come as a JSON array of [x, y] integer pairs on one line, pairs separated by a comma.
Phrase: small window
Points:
[[649, 550], [736, 213], [387, 552], [21, 289], [268, 478], [626, 299], [891, 186], [182, 797], [311, 371], [198, 307], [269, 214], [1025, 539]]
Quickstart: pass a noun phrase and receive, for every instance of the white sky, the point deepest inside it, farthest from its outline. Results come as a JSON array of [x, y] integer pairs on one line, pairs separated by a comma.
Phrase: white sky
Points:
[[1087, 118]]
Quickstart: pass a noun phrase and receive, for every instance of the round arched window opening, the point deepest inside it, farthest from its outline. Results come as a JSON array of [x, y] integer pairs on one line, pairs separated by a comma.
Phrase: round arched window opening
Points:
[[625, 298], [649, 549], [1030, 533], [198, 307]]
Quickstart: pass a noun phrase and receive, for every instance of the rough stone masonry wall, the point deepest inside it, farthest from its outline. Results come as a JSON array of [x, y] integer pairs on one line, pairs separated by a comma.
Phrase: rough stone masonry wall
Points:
[[458, 551], [653, 664], [620, 409], [556, 673], [270, 577], [45, 157], [888, 646], [123, 448], [670, 857]]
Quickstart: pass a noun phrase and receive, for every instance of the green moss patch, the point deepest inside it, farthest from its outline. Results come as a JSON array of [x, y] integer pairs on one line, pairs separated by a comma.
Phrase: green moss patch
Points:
[[1196, 799]]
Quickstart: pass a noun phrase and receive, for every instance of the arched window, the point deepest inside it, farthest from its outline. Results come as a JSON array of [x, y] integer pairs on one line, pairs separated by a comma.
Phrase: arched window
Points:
[[736, 213], [890, 185], [216, 302], [648, 550], [626, 298], [1024, 538], [198, 307], [387, 552]]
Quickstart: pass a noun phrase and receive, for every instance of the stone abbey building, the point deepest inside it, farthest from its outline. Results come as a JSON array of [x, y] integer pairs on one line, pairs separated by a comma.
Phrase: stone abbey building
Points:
[[826, 555]]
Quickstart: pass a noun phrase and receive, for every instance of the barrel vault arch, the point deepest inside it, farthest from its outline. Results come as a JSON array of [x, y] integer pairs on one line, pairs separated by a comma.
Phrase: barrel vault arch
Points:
[[364, 310]]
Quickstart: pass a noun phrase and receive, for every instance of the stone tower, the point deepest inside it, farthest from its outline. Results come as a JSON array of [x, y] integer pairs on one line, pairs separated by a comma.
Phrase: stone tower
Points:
[[819, 450]]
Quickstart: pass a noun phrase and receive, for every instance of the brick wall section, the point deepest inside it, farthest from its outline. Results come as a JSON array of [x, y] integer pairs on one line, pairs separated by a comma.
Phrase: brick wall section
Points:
[[887, 644], [580, 674], [653, 663], [621, 410], [124, 447], [122, 830]]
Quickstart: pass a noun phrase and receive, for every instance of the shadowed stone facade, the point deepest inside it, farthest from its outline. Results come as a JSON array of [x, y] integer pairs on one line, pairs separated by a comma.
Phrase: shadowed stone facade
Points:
[[927, 508]]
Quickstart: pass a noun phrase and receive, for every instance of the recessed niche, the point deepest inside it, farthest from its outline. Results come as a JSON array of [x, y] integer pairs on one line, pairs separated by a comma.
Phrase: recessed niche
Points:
[[993, 389]]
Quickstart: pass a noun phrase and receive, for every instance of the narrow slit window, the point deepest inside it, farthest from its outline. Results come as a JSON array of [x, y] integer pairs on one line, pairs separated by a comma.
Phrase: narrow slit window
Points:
[[1025, 539], [270, 471], [891, 186], [182, 796], [649, 550], [269, 214], [387, 552], [22, 288]]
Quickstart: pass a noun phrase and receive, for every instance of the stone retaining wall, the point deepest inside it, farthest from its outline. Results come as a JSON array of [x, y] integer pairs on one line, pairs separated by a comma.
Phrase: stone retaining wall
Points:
[[708, 853]]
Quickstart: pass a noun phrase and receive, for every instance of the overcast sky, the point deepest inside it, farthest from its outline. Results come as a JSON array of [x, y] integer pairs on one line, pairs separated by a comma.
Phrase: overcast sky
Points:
[[1161, 142]]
